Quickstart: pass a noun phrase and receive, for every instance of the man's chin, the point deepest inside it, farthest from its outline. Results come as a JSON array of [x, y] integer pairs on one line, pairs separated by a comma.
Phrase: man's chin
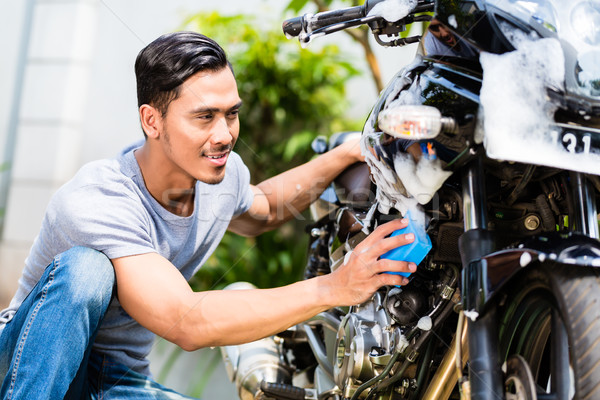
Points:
[[213, 180]]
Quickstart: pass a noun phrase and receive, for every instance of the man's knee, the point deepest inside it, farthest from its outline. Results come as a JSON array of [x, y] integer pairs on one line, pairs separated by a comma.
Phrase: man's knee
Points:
[[89, 276]]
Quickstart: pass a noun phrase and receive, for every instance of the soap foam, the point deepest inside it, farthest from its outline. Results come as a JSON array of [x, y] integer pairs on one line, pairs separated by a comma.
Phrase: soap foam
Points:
[[393, 10], [517, 113]]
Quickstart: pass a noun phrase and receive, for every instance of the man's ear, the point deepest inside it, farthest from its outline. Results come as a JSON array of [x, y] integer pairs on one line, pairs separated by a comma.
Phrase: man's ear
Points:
[[151, 120]]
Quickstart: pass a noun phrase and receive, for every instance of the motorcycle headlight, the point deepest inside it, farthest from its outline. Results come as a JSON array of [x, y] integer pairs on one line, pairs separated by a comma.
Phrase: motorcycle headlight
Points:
[[411, 122]]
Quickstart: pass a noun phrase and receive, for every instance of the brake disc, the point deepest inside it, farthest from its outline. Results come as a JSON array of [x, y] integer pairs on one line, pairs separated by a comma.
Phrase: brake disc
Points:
[[519, 383]]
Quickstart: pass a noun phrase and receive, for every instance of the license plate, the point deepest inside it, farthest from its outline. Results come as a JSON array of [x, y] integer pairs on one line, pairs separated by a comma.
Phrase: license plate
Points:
[[563, 146], [577, 140]]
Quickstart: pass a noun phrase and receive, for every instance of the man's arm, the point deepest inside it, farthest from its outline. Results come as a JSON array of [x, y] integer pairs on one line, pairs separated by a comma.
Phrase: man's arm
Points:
[[154, 293], [285, 196]]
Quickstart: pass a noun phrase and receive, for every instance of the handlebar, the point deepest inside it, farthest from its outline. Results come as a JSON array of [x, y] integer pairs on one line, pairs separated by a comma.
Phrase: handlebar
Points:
[[332, 21], [311, 22]]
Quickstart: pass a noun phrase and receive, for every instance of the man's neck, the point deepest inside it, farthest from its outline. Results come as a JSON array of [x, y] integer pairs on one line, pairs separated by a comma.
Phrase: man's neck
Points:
[[175, 197]]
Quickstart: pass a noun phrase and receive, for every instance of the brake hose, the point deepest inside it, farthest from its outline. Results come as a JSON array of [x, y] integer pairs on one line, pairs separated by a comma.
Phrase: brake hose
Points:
[[377, 378]]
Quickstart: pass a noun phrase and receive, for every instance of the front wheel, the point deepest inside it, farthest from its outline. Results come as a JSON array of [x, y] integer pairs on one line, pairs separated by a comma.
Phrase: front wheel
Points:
[[550, 333]]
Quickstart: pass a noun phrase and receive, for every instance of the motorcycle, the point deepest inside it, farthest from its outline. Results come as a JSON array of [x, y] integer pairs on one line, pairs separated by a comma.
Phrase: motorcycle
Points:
[[490, 141]]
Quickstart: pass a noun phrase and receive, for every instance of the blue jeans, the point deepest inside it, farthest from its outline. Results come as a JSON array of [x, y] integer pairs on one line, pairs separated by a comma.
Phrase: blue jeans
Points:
[[46, 349]]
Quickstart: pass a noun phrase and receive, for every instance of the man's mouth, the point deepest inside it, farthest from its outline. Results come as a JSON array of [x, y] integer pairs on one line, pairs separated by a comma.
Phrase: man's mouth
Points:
[[450, 41], [216, 157]]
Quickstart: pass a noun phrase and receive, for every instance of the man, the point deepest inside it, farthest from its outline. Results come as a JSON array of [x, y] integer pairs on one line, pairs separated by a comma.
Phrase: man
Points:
[[110, 265], [440, 41]]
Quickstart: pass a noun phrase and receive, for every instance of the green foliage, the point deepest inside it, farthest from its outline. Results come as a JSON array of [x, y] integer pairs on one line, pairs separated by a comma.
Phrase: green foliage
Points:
[[297, 5], [291, 95]]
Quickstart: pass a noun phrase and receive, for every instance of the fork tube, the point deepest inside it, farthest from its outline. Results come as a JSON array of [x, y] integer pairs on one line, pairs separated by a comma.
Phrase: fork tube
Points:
[[474, 202], [484, 366], [586, 214]]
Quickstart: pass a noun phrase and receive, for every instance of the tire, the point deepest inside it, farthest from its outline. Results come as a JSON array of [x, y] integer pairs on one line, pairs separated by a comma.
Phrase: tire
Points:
[[551, 318]]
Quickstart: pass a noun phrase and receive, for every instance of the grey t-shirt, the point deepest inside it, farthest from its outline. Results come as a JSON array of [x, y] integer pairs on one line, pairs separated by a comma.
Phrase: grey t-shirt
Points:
[[107, 207]]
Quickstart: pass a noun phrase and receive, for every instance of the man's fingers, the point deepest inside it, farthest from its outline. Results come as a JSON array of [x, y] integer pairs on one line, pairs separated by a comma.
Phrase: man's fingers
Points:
[[385, 265], [390, 243], [391, 280], [382, 231]]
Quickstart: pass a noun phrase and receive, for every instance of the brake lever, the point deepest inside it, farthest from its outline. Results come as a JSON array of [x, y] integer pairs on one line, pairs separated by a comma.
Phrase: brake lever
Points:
[[307, 37]]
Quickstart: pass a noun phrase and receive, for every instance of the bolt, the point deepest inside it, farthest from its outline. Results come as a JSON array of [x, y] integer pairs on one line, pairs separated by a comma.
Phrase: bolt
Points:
[[532, 222]]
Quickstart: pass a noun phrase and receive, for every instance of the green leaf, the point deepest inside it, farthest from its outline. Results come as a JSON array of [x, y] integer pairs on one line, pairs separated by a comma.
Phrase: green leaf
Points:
[[296, 5], [298, 142]]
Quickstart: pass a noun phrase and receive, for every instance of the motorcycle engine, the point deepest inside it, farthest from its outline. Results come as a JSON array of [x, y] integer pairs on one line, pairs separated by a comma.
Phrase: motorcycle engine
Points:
[[366, 339]]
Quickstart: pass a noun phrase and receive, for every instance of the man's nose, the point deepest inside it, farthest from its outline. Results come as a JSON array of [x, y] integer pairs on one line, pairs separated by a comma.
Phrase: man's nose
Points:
[[221, 132]]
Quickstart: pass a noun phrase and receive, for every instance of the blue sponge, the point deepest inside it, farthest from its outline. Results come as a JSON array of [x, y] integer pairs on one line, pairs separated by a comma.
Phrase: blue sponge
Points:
[[412, 252]]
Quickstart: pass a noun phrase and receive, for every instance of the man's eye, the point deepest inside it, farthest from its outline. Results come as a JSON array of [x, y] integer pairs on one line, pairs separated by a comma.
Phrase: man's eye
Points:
[[205, 117], [233, 113]]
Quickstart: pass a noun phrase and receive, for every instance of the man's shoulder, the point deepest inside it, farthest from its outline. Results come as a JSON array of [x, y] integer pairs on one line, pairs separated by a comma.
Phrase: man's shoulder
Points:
[[106, 171], [97, 180]]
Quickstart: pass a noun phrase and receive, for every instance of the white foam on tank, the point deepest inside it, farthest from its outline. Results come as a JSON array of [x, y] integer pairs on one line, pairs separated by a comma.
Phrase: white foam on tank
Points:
[[409, 182], [410, 96], [393, 10], [421, 180], [517, 113]]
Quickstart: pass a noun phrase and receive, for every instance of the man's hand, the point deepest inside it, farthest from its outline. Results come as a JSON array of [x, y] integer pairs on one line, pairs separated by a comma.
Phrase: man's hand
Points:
[[363, 272], [351, 150]]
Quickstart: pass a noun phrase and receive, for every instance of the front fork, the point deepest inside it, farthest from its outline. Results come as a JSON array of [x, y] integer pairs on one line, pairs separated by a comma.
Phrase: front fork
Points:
[[585, 210], [485, 373]]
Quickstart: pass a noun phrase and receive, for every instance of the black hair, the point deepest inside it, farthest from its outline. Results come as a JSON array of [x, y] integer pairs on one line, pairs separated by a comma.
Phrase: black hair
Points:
[[163, 65]]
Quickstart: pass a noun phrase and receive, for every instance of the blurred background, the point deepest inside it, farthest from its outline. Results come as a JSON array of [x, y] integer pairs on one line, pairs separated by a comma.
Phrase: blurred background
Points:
[[68, 97]]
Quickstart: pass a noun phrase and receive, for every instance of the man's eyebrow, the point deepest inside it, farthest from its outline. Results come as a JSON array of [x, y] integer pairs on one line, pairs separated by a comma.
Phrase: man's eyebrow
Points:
[[205, 109]]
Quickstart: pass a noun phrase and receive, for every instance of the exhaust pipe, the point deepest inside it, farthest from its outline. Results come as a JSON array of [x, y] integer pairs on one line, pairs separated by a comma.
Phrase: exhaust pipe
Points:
[[251, 363]]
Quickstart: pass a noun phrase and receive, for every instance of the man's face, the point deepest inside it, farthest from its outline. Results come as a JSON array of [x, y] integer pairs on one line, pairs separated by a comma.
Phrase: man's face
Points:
[[201, 126], [442, 33]]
